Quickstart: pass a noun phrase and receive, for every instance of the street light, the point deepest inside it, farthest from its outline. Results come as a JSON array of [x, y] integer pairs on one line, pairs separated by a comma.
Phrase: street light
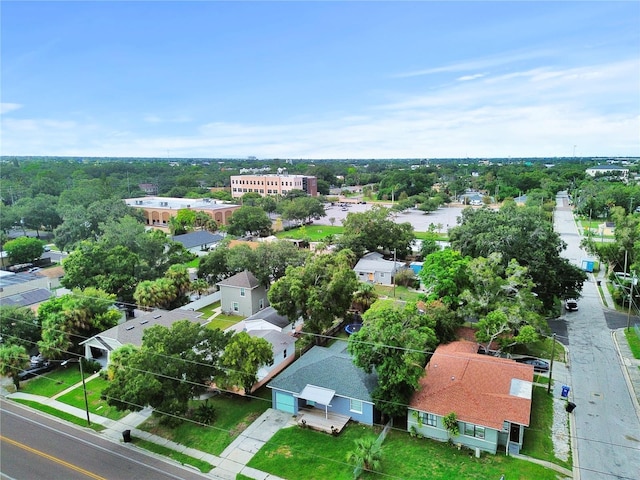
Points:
[[84, 386], [633, 282]]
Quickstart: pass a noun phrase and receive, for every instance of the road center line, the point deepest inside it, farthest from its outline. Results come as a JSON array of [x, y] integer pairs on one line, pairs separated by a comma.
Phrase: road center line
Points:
[[52, 458]]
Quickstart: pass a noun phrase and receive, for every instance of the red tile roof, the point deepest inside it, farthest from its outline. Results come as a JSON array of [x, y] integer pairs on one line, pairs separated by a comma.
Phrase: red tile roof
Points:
[[480, 389]]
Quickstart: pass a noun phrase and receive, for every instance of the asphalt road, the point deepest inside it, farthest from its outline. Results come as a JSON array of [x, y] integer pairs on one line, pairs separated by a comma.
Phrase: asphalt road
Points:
[[607, 428], [36, 447]]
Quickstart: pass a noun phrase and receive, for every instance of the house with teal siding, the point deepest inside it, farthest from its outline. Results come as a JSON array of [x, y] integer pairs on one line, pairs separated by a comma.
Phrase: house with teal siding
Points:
[[490, 396], [326, 379]]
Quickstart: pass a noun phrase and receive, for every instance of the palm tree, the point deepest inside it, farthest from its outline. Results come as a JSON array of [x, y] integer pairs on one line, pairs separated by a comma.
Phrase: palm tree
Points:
[[13, 358], [367, 456], [200, 285], [364, 297]]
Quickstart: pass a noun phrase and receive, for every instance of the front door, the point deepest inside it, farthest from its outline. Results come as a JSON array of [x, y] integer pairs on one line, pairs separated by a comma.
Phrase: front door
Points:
[[514, 433]]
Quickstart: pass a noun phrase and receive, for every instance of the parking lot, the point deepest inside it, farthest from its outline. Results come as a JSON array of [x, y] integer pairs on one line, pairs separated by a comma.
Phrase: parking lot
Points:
[[445, 216]]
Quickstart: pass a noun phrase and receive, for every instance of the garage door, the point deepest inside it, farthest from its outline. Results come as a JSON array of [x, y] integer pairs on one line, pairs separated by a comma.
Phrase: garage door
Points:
[[284, 402]]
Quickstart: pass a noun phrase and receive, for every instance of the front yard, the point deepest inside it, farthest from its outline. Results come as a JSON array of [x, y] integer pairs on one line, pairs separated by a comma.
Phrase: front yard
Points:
[[233, 415], [299, 454]]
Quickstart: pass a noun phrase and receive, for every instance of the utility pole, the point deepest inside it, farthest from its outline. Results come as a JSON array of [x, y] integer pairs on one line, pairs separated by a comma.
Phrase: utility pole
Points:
[[633, 282], [553, 351]]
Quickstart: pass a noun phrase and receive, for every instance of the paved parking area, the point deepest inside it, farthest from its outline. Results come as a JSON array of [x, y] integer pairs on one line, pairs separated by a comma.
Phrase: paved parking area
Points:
[[445, 216]]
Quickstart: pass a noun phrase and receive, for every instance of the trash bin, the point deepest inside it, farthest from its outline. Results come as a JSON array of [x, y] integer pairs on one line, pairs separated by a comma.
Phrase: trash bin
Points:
[[570, 407], [598, 282], [126, 436], [565, 391]]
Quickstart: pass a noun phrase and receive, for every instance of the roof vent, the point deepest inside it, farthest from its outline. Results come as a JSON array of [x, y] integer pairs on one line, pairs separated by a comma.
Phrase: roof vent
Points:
[[157, 317], [130, 327], [142, 322], [452, 377]]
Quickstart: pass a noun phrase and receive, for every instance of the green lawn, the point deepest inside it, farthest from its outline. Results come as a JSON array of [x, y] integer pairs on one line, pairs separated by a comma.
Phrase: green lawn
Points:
[[316, 233], [401, 293], [53, 382], [300, 454], [208, 310], [223, 321], [634, 342], [542, 349], [57, 413], [204, 467], [233, 413], [537, 438], [96, 405]]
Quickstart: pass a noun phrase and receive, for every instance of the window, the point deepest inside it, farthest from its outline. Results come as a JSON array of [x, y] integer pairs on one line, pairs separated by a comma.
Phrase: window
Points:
[[355, 405], [429, 419], [381, 274], [284, 353], [236, 307], [261, 303], [472, 430], [242, 292]]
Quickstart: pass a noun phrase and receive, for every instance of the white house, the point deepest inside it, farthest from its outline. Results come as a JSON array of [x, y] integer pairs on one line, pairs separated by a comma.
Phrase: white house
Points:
[[100, 346], [373, 268]]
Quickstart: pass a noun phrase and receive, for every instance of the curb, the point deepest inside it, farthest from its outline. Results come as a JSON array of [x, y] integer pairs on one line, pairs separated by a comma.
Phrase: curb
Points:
[[625, 372]]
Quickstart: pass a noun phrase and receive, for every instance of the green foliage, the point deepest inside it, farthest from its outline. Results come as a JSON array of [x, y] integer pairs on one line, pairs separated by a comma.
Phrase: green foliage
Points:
[[445, 276], [249, 220], [13, 358], [69, 319], [392, 342], [172, 366], [520, 233], [205, 413], [318, 291], [242, 358], [374, 230], [18, 326], [24, 249], [366, 456], [450, 421]]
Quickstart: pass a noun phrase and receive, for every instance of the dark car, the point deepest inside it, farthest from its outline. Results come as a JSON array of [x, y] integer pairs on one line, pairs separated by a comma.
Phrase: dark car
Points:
[[539, 366], [31, 372], [570, 305]]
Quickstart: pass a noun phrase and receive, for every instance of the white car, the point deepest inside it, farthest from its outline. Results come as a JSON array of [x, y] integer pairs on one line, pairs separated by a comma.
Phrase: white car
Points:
[[570, 305]]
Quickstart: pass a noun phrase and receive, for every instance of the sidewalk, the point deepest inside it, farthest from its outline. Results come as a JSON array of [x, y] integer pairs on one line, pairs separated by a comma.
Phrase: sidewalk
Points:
[[227, 466]]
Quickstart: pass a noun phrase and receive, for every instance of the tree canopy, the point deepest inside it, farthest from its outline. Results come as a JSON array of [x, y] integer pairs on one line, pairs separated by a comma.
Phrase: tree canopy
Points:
[[319, 291], [172, 366], [24, 249], [394, 341], [249, 220], [520, 233], [74, 317], [373, 231]]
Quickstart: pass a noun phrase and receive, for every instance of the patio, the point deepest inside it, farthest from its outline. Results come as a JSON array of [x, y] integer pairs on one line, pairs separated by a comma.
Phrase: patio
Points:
[[316, 419]]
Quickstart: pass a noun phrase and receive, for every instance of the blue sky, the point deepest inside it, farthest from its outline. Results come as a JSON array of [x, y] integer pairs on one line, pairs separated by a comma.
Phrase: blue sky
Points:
[[320, 79]]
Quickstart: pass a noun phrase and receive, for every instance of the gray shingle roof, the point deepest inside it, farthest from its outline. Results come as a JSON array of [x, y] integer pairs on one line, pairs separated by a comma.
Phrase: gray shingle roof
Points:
[[271, 316], [242, 280], [130, 332], [326, 368], [197, 239]]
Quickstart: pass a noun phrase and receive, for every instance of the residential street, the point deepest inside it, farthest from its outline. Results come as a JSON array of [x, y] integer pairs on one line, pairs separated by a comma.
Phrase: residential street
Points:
[[606, 424], [37, 447]]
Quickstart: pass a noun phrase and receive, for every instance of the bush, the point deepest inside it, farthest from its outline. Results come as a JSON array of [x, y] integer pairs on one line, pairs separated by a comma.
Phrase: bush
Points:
[[205, 413]]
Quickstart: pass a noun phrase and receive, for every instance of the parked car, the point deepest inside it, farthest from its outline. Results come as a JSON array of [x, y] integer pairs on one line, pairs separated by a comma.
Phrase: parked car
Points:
[[539, 366], [35, 371], [47, 248], [570, 305]]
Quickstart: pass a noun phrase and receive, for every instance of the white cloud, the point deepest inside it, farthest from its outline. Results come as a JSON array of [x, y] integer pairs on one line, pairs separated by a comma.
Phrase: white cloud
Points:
[[9, 107], [466, 78], [541, 111]]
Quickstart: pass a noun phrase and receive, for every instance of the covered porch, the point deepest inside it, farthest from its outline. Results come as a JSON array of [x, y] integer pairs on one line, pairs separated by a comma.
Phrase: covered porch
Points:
[[316, 419], [310, 415]]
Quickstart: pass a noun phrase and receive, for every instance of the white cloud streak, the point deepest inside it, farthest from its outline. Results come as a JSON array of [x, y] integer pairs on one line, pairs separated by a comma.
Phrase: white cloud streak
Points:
[[536, 112]]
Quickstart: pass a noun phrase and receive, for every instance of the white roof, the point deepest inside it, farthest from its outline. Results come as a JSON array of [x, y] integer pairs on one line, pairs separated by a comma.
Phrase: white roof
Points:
[[320, 395]]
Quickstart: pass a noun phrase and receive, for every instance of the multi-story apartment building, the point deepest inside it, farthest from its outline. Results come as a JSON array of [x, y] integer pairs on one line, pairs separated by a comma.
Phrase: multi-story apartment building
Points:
[[272, 184]]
